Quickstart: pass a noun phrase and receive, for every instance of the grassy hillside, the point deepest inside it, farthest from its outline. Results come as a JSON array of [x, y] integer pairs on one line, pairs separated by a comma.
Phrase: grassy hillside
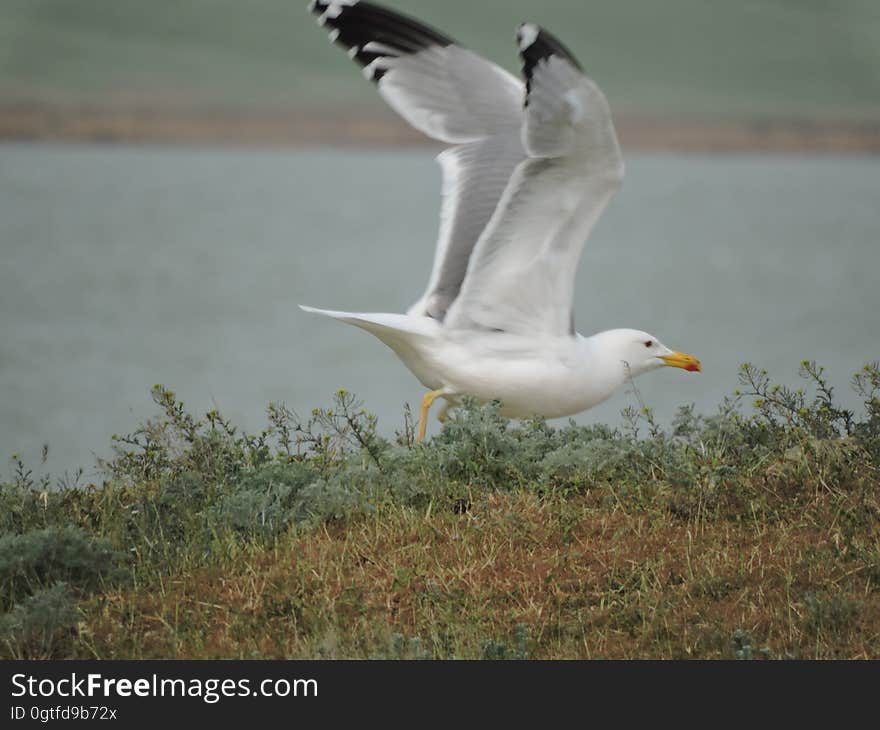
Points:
[[737, 536], [755, 58]]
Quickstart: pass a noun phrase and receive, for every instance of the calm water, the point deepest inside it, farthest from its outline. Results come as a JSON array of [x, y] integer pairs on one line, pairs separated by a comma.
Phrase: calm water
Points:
[[125, 267]]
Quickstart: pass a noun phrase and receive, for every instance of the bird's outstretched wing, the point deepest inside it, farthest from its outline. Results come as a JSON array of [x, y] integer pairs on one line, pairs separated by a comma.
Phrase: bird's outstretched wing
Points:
[[452, 95], [521, 274]]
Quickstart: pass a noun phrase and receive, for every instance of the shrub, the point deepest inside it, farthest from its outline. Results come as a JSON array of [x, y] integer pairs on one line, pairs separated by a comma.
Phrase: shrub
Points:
[[265, 500], [38, 627], [38, 559]]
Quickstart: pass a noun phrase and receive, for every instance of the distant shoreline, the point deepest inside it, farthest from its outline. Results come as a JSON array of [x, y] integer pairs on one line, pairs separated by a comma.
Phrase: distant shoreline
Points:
[[144, 124]]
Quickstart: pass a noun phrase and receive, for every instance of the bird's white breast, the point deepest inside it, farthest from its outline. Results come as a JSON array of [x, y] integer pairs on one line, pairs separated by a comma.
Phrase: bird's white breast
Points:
[[551, 377]]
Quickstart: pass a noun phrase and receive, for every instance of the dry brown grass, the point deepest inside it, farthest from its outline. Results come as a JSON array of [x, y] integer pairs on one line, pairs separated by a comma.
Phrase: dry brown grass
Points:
[[586, 580]]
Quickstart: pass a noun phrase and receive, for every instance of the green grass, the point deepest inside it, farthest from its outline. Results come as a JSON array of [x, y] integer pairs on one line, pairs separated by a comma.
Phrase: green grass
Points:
[[718, 60], [736, 535]]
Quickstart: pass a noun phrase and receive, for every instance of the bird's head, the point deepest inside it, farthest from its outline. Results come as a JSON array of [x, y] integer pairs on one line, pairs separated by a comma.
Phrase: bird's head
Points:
[[641, 352]]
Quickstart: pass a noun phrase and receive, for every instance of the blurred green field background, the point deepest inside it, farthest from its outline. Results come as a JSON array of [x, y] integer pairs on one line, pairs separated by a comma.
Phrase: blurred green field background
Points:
[[700, 59]]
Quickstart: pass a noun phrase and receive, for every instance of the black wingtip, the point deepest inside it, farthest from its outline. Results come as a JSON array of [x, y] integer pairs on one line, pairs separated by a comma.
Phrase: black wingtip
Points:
[[537, 44], [371, 32]]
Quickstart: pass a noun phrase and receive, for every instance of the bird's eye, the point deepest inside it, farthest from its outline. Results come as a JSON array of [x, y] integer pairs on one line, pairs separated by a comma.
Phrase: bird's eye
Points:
[[648, 343]]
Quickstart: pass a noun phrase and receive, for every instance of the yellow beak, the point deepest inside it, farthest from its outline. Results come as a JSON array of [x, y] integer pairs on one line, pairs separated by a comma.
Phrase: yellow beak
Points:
[[682, 360]]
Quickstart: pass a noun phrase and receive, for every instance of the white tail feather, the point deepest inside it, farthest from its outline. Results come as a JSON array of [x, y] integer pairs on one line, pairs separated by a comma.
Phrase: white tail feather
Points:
[[408, 336]]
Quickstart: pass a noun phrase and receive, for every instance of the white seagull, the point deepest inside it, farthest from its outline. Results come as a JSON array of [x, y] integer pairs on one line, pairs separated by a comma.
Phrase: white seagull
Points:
[[529, 172]]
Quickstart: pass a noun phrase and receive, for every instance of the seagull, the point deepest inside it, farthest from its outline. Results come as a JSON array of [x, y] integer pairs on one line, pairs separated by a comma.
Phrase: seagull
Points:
[[528, 171]]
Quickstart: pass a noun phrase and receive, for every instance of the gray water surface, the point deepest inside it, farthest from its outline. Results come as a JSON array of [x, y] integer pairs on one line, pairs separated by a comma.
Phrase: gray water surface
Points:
[[123, 267]]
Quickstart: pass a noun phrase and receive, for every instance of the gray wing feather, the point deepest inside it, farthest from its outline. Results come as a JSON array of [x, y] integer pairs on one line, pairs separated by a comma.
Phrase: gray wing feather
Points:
[[453, 95], [521, 274], [474, 178]]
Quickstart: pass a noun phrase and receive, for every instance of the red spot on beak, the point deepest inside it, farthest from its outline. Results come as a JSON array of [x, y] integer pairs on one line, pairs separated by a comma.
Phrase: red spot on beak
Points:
[[692, 368]]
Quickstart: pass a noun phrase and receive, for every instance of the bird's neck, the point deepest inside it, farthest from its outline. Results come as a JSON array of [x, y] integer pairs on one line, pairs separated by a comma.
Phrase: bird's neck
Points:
[[602, 359]]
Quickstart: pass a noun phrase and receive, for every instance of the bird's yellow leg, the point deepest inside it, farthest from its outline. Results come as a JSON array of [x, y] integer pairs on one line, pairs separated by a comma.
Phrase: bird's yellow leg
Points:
[[428, 399]]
